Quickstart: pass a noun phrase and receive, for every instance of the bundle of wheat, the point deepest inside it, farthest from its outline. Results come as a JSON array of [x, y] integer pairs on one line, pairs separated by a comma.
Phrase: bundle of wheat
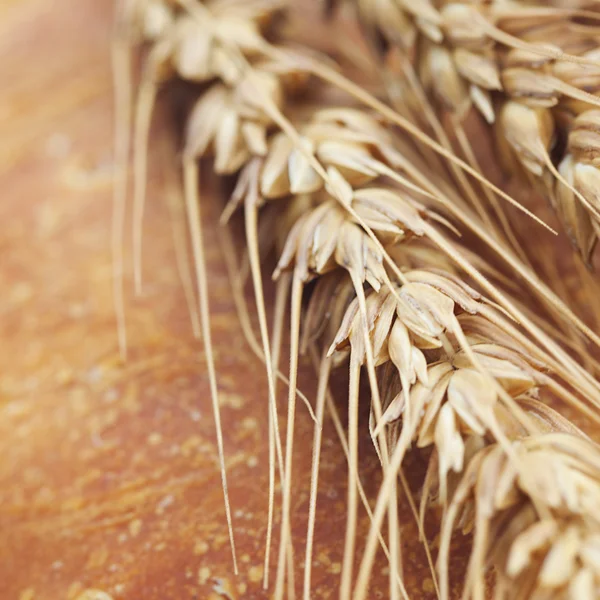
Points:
[[359, 207]]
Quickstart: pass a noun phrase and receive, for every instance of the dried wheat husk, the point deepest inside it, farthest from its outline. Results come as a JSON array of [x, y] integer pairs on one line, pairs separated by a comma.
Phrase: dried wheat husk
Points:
[[352, 193]]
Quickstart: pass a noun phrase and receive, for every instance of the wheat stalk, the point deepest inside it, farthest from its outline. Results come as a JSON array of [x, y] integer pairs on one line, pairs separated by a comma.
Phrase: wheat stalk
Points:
[[355, 197]]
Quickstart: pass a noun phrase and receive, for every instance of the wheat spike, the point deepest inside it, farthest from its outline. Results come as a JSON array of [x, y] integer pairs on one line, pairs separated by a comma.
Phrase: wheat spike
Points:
[[532, 69]]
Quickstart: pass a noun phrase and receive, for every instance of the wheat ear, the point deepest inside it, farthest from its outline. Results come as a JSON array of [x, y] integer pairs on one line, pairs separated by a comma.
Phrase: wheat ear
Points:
[[532, 70]]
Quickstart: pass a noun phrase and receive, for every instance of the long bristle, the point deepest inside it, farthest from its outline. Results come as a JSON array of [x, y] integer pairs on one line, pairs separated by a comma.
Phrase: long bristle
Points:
[[191, 182], [121, 61]]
